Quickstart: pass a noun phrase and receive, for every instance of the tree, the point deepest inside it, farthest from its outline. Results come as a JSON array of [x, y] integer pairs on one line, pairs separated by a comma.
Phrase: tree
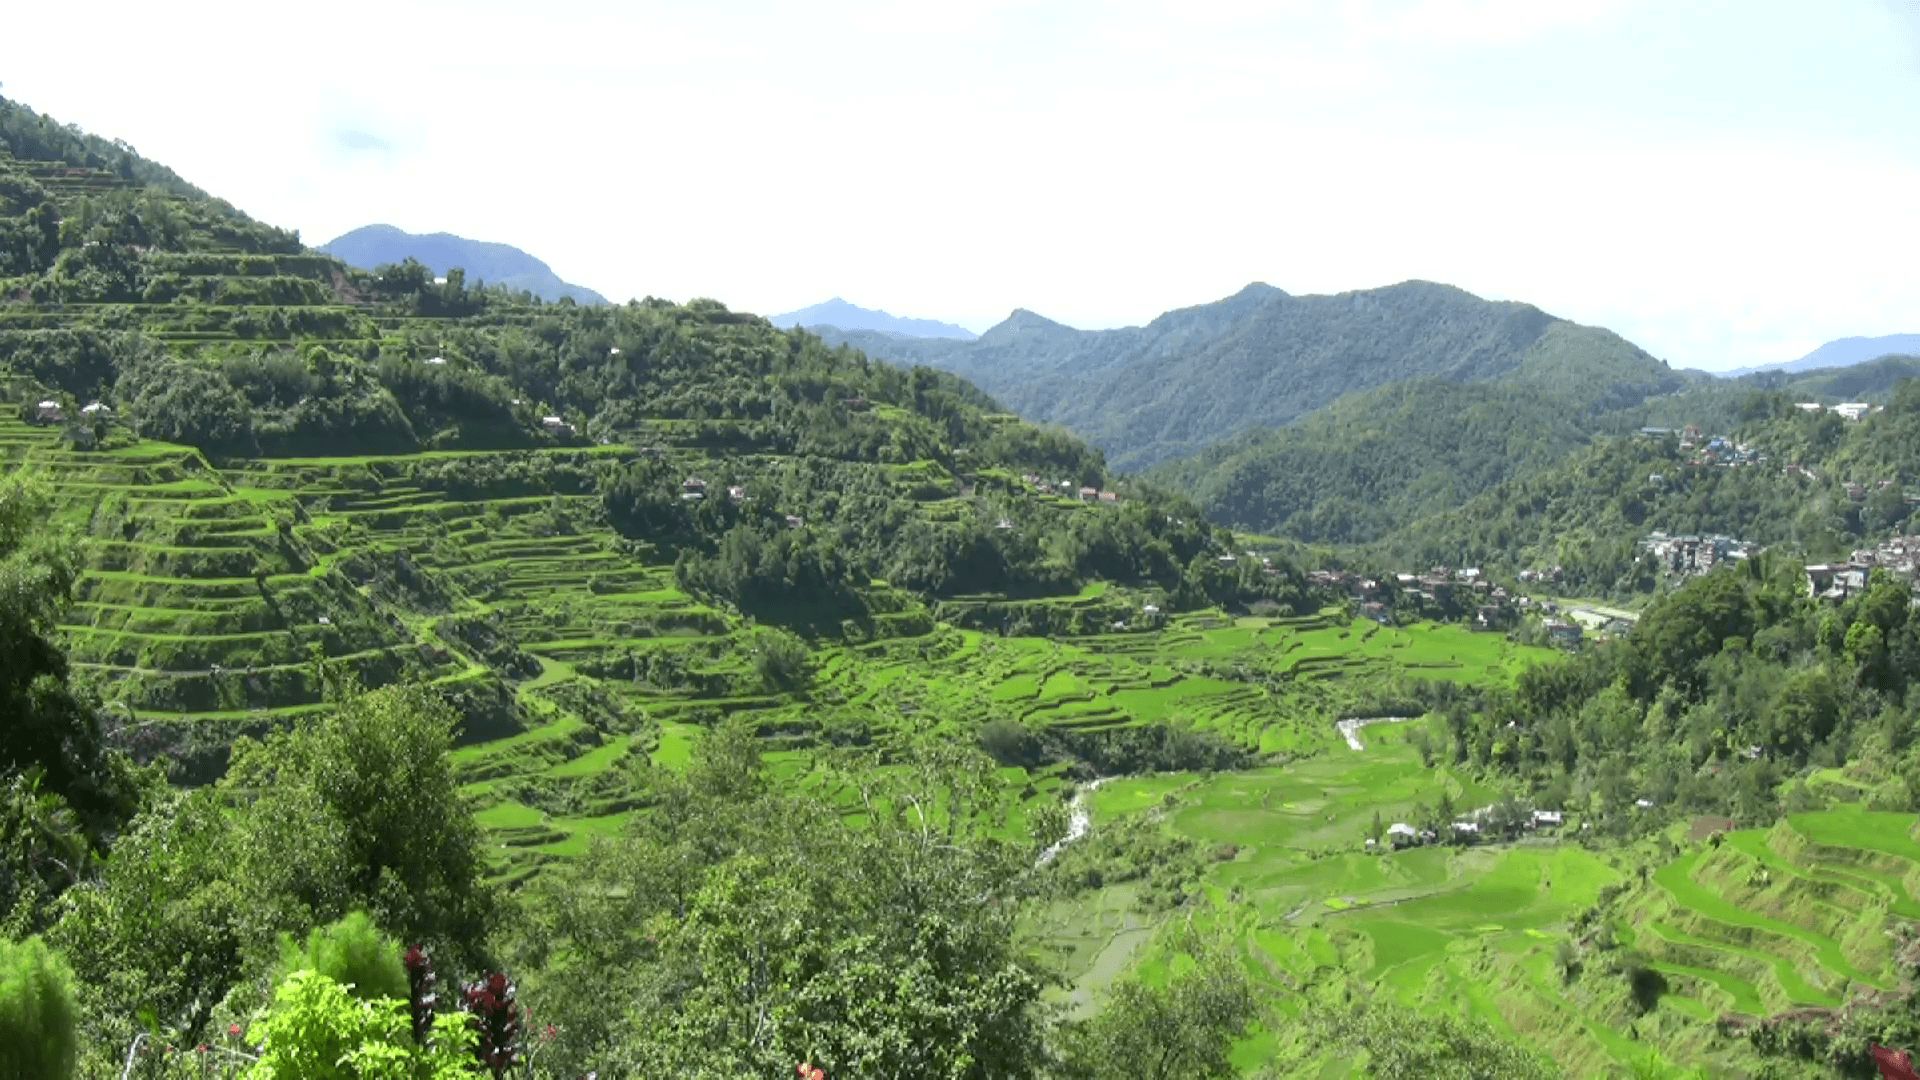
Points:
[[165, 927], [45, 727], [1184, 1029], [352, 953], [1399, 1042], [361, 809], [1378, 830], [740, 927], [317, 1031]]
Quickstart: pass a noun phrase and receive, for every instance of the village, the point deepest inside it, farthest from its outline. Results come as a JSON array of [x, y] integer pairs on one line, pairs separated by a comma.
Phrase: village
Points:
[[1503, 821]]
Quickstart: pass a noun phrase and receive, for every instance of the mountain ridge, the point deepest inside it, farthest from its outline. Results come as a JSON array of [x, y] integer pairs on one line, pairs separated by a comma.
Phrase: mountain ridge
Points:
[[372, 246], [841, 315], [1841, 352], [1259, 358]]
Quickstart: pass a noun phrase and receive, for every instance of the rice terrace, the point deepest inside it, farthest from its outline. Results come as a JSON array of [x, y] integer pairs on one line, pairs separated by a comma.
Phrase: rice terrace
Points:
[[760, 702]]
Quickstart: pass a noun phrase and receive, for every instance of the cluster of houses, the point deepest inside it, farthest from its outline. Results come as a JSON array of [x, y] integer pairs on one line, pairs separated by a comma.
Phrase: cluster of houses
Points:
[[1835, 582], [1265, 561], [1855, 490], [1704, 449], [1493, 607], [1069, 489], [1472, 828], [1561, 631], [1691, 555], [52, 412]]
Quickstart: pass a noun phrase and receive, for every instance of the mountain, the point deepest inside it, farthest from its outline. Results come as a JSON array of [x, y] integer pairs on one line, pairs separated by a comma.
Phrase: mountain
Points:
[[840, 315], [496, 264], [1844, 352], [1260, 359]]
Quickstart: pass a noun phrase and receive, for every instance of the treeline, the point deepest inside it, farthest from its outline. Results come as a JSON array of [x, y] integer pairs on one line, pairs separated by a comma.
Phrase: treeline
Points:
[[810, 533], [1361, 468], [1721, 699]]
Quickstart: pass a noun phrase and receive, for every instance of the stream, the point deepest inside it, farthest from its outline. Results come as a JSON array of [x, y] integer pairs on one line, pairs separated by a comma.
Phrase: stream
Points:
[[1079, 820], [1351, 728]]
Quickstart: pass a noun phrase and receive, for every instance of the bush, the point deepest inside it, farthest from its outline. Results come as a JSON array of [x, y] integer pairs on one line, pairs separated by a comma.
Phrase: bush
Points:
[[36, 1013], [317, 1031], [353, 953]]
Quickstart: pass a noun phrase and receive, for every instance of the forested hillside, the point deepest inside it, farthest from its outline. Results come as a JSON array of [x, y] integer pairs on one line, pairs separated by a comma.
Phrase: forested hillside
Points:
[[1815, 483], [1413, 463], [1261, 358]]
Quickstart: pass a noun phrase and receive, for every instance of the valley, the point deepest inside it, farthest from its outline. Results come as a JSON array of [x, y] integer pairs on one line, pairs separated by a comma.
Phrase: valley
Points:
[[753, 697]]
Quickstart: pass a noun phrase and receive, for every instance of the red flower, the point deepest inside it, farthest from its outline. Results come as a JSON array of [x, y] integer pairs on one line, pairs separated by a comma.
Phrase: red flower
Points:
[[233, 1030]]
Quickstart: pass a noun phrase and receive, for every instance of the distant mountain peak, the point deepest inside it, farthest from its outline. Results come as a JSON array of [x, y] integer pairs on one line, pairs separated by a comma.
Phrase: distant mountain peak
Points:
[[1197, 375], [371, 246], [841, 315], [1844, 352]]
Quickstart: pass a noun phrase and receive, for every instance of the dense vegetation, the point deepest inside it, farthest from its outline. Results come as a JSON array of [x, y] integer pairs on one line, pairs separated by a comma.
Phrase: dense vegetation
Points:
[[1548, 471], [1587, 513]]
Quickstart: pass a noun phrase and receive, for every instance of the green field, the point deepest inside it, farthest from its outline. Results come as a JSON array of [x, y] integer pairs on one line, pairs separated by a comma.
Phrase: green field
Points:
[[1801, 916]]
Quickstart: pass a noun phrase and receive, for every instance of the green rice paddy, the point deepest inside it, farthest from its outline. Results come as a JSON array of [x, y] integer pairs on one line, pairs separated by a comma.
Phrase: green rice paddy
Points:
[[1803, 915]]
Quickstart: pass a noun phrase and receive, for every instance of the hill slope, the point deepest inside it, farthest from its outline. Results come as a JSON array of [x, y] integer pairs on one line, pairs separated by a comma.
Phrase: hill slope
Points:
[[583, 524], [372, 246], [1257, 359], [839, 315]]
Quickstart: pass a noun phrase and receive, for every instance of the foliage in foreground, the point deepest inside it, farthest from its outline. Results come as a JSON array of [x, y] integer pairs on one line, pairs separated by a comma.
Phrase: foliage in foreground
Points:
[[319, 1030], [37, 1039], [353, 953]]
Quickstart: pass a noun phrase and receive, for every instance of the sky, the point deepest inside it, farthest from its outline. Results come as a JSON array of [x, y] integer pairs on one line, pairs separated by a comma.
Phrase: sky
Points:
[[1724, 182]]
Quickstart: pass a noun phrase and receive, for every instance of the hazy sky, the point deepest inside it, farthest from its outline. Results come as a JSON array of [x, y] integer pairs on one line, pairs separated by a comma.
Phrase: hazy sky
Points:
[[1724, 183]]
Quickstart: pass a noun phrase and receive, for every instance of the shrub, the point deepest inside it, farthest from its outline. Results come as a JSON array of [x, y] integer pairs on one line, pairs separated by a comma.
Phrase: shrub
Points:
[[353, 953], [36, 1013], [317, 1031]]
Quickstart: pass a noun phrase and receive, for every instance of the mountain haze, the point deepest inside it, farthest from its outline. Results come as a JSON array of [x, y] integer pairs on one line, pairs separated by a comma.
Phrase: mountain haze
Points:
[[496, 264], [1262, 358], [838, 314], [1845, 352]]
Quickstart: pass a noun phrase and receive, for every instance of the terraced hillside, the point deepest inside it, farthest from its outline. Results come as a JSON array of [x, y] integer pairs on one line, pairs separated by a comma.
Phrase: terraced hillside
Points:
[[217, 598], [1566, 946], [588, 526]]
